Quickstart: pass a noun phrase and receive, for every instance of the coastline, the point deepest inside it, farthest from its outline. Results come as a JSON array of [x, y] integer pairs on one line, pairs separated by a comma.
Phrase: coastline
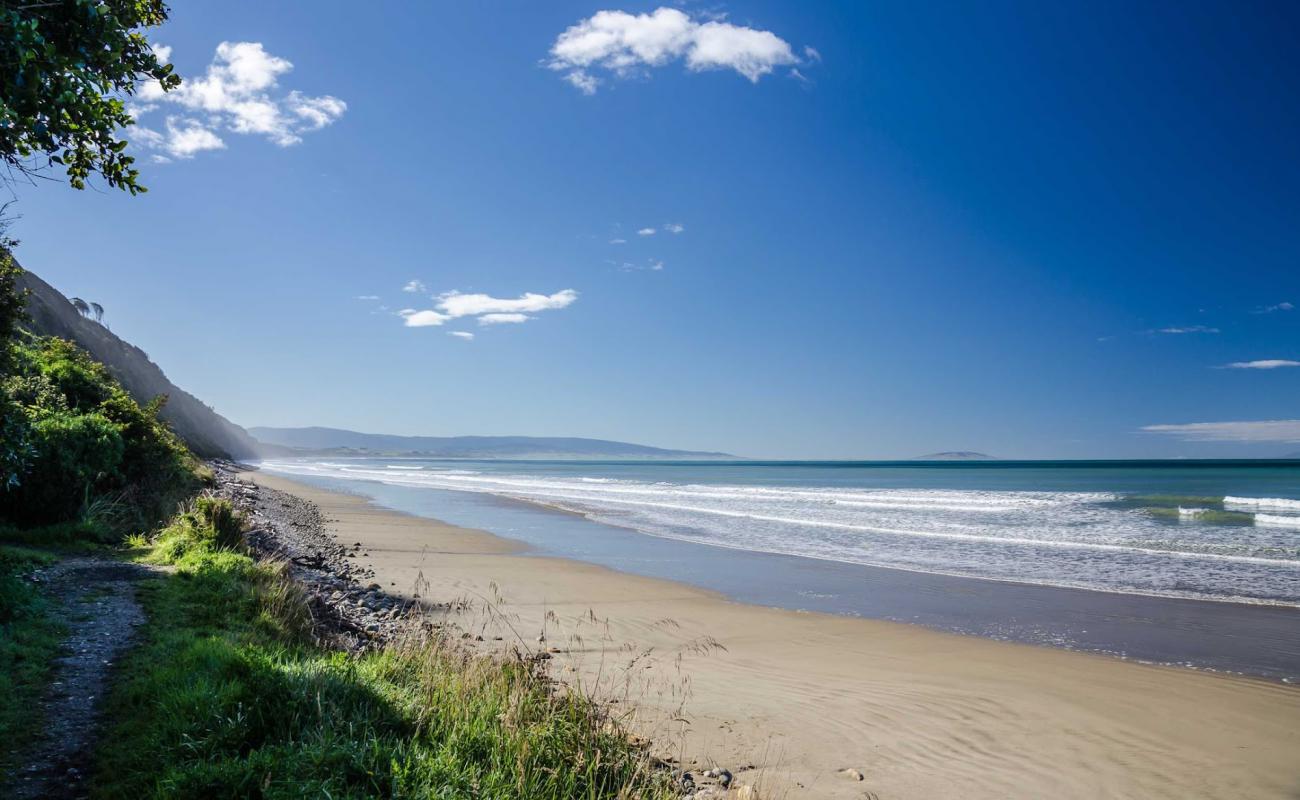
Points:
[[803, 695]]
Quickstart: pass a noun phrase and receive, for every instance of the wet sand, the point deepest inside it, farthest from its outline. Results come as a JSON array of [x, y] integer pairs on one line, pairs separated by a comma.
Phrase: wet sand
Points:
[[921, 713]]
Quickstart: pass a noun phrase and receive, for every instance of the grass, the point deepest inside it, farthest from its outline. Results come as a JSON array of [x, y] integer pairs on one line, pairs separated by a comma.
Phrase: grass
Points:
[[29, 641], [226, 696]]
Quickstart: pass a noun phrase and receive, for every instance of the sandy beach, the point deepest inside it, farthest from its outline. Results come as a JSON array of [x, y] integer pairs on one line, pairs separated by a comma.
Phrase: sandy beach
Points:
[[802, 696]]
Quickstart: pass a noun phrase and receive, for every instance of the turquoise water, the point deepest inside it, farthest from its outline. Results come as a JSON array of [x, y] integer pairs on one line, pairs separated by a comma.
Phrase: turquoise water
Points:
[[1222, 530]]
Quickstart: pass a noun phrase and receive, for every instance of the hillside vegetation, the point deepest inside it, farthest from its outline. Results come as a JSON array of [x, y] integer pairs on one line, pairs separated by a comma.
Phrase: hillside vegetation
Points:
[[203, 430]]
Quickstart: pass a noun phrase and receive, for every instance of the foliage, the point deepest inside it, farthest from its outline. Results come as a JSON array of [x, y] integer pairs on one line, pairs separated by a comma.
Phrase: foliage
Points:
[[29, 641], [207, 524], [15, 442], [226, 697], [90, 452], [65, 66], [12, 301]]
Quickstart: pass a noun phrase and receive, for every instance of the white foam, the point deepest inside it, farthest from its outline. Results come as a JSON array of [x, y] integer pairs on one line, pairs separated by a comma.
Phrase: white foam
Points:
[[1078, 539], [1277, 520], [1271, 503]]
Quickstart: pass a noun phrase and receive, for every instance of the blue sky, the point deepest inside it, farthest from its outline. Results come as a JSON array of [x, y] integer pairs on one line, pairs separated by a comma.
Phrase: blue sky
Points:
[[954, 226]]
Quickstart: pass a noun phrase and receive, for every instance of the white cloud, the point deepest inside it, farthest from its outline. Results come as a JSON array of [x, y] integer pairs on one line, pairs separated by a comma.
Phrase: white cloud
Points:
[[455, 304], [1283, 306], [627, 44], [811, 53], [1278, 430], [1189, 329], [1265, 363], [674, 227], [500, 319], [162, 52], [646, 232], [235, 95], [618, 241], [184, 138], [489, 310], [415, 286], [422, 319], [466, 335], [367, 297], [583, 81]]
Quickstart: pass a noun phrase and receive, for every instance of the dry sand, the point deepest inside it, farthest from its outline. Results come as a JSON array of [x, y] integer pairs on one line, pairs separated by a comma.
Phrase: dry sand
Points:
[[801, 696]]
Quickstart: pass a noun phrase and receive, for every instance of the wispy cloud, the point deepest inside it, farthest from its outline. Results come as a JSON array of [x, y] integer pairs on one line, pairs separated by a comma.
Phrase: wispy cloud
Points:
[[415, 285], [488, 309], [646, 232], [1278, 430], [674, 227], [502, 319], [1187, 329], [1283, 306], [624, 45], [457, 304], [1265, 363], [618, 241], [367, 297], [237, 94], [651, 264], [466, 335]]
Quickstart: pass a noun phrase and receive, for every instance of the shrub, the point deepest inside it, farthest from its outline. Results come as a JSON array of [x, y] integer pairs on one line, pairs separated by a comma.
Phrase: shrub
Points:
[[208, 525], [83, 449], [72, 453]]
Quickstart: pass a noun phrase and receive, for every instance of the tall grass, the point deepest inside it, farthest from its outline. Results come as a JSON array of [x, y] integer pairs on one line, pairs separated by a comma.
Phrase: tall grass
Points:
[[228, 697], [29, 640]]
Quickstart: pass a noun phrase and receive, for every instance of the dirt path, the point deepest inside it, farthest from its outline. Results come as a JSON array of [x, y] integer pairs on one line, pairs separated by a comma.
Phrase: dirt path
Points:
[[96, 600]]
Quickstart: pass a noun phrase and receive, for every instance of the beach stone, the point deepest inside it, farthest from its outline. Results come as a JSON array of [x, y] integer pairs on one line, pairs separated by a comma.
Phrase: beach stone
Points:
[[724, 778], [849, 772], [686, 783]]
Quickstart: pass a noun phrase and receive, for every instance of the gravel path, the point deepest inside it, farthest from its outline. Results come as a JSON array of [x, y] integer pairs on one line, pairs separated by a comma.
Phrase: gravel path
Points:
[[96, 597]]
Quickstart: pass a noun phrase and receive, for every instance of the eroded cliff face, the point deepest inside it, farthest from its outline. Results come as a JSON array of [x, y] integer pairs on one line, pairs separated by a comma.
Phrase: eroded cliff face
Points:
[[207, 433]]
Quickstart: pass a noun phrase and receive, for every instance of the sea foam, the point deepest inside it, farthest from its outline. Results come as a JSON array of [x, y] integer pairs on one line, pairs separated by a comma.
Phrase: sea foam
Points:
[[1086, 539]]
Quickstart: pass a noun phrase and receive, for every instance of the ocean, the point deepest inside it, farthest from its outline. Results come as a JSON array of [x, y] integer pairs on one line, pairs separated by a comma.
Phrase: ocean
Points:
[[1202, 530]]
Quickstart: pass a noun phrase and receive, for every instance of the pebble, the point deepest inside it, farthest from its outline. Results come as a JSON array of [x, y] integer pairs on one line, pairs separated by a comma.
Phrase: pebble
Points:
[[850, 772]]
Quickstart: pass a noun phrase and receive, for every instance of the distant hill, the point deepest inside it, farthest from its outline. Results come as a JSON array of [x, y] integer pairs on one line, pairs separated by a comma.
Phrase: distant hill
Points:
[[206, 432], [956, 455], [333, 440]]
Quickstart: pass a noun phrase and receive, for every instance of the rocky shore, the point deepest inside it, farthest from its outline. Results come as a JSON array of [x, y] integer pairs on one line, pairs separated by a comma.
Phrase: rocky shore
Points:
[[351, 611]]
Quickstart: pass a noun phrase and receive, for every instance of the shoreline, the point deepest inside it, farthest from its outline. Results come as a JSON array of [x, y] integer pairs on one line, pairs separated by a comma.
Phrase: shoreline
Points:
[[1219, 636], [804, 695]]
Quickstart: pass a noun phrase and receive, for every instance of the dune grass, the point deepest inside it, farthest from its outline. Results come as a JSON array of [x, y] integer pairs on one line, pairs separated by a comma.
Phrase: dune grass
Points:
[[226, 696]]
